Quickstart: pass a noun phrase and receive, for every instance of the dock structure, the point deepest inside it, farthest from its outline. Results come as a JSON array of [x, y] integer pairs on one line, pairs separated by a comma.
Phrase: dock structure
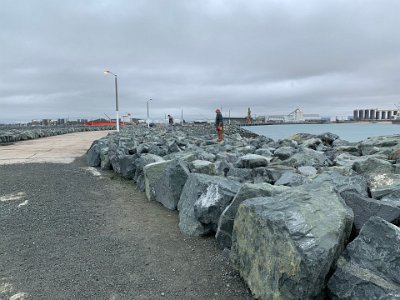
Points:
[[375, 114]]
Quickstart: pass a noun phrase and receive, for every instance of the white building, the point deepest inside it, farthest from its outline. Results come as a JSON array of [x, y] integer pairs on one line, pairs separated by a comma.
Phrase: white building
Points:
[[295, 116]]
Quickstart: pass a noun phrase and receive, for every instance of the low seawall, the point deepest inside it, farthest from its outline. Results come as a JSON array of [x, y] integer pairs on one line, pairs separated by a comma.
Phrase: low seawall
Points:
[[13, 135], [292, 214]]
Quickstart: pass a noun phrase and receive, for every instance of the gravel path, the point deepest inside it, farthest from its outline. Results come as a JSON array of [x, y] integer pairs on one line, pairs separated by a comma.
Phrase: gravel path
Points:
[[68, 232]]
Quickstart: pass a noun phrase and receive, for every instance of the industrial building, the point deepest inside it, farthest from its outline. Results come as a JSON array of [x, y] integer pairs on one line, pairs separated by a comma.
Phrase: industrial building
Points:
[[374, 114], [295, 116]]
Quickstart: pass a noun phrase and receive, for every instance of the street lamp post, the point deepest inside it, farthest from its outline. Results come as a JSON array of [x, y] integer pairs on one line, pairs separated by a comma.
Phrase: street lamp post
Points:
[[148, 116], [116, 96]]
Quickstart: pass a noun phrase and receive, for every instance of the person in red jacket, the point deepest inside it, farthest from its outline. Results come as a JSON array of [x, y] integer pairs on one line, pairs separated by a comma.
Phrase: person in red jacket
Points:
[[219, 125]]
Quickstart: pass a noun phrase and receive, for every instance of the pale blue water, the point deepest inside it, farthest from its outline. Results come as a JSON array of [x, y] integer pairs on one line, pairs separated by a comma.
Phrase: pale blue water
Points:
[[352, 132]]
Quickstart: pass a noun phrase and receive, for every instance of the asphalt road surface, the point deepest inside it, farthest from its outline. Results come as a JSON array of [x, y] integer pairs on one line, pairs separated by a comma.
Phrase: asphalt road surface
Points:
[[72, 232]]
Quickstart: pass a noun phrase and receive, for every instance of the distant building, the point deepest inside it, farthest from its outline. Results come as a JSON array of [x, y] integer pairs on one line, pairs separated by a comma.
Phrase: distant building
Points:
[[36, 122], [295, 116], [374, 114], [127, 118]]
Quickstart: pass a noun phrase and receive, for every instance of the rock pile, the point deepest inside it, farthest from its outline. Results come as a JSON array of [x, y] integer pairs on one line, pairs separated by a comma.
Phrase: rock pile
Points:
[[12, 135], [310, 217]]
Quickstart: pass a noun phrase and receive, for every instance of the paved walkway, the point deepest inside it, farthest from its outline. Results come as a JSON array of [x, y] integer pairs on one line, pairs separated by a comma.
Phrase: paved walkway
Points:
[[55, 149]]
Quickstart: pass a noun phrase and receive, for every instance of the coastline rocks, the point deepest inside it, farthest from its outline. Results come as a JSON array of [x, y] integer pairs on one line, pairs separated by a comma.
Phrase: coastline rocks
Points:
[[364, 208], [307, 170], [369, 268], [284, 152], [372, 165], [290, 178], [395, 155], [202, 201], [284, 245], [307, 157], [251, 161], [277, 204], [381, 185], [169, 186], [343, 182], [139, 164], [202, 166], [152, 174], [12, 135], [93, 155], [127, 166], [247, 191]]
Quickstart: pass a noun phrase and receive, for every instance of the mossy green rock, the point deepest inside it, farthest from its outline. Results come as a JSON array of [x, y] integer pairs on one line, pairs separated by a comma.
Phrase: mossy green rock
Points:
[[284, 246]]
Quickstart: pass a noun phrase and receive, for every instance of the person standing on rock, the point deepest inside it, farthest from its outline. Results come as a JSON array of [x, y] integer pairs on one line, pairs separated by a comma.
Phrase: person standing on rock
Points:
[[170, 123], [219, 125]]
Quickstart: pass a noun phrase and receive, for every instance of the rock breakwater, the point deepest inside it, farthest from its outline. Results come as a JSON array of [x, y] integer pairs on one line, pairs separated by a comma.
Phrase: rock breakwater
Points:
[[302, 217], [12, 135]]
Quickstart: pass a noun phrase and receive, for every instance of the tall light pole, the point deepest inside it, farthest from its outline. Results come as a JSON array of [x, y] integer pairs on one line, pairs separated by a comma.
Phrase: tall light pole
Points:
[[148, 120], [116, 96]]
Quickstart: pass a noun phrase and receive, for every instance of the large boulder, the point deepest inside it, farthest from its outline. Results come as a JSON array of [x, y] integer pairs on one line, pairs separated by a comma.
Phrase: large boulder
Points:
[[202, 202], [284, 152], [373, 165], [312, 143], [369, 268], [395, 155], [328, 138], [266, 152], [93, 155], [270, 174], [343, 182], [385, 144], [127, 165], [346, 159], [202, 166], [251, 161], [308, 157], [152, 173], [381, 185], [170, 183], [284, 245], [290, 178], [105, 163], [307, 170], [364, 208], [247, 191], [139, 164], [240, 174], [392, 198]]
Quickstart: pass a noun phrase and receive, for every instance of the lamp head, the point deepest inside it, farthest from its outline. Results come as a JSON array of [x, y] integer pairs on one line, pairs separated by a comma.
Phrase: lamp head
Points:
[[106, 72]]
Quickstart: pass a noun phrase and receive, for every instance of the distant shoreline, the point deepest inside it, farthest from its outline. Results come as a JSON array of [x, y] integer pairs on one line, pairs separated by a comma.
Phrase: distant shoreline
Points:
[[318, 123]]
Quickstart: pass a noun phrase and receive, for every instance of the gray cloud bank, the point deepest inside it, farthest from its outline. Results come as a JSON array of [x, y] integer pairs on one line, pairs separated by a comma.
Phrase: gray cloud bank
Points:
[[325, 57]]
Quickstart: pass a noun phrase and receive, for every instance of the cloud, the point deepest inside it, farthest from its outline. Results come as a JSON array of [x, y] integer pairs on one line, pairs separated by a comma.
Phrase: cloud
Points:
[[273, 56]]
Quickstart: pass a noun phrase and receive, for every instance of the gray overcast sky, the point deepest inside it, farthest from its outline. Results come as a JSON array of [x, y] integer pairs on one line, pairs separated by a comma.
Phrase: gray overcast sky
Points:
[[327, 57]]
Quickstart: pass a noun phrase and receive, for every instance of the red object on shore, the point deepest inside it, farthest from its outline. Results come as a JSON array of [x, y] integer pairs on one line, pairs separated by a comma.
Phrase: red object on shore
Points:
[[103, 123]]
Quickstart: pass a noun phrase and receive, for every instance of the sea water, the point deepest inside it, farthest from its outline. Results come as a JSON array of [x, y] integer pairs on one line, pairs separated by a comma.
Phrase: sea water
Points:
[[352, 132]]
